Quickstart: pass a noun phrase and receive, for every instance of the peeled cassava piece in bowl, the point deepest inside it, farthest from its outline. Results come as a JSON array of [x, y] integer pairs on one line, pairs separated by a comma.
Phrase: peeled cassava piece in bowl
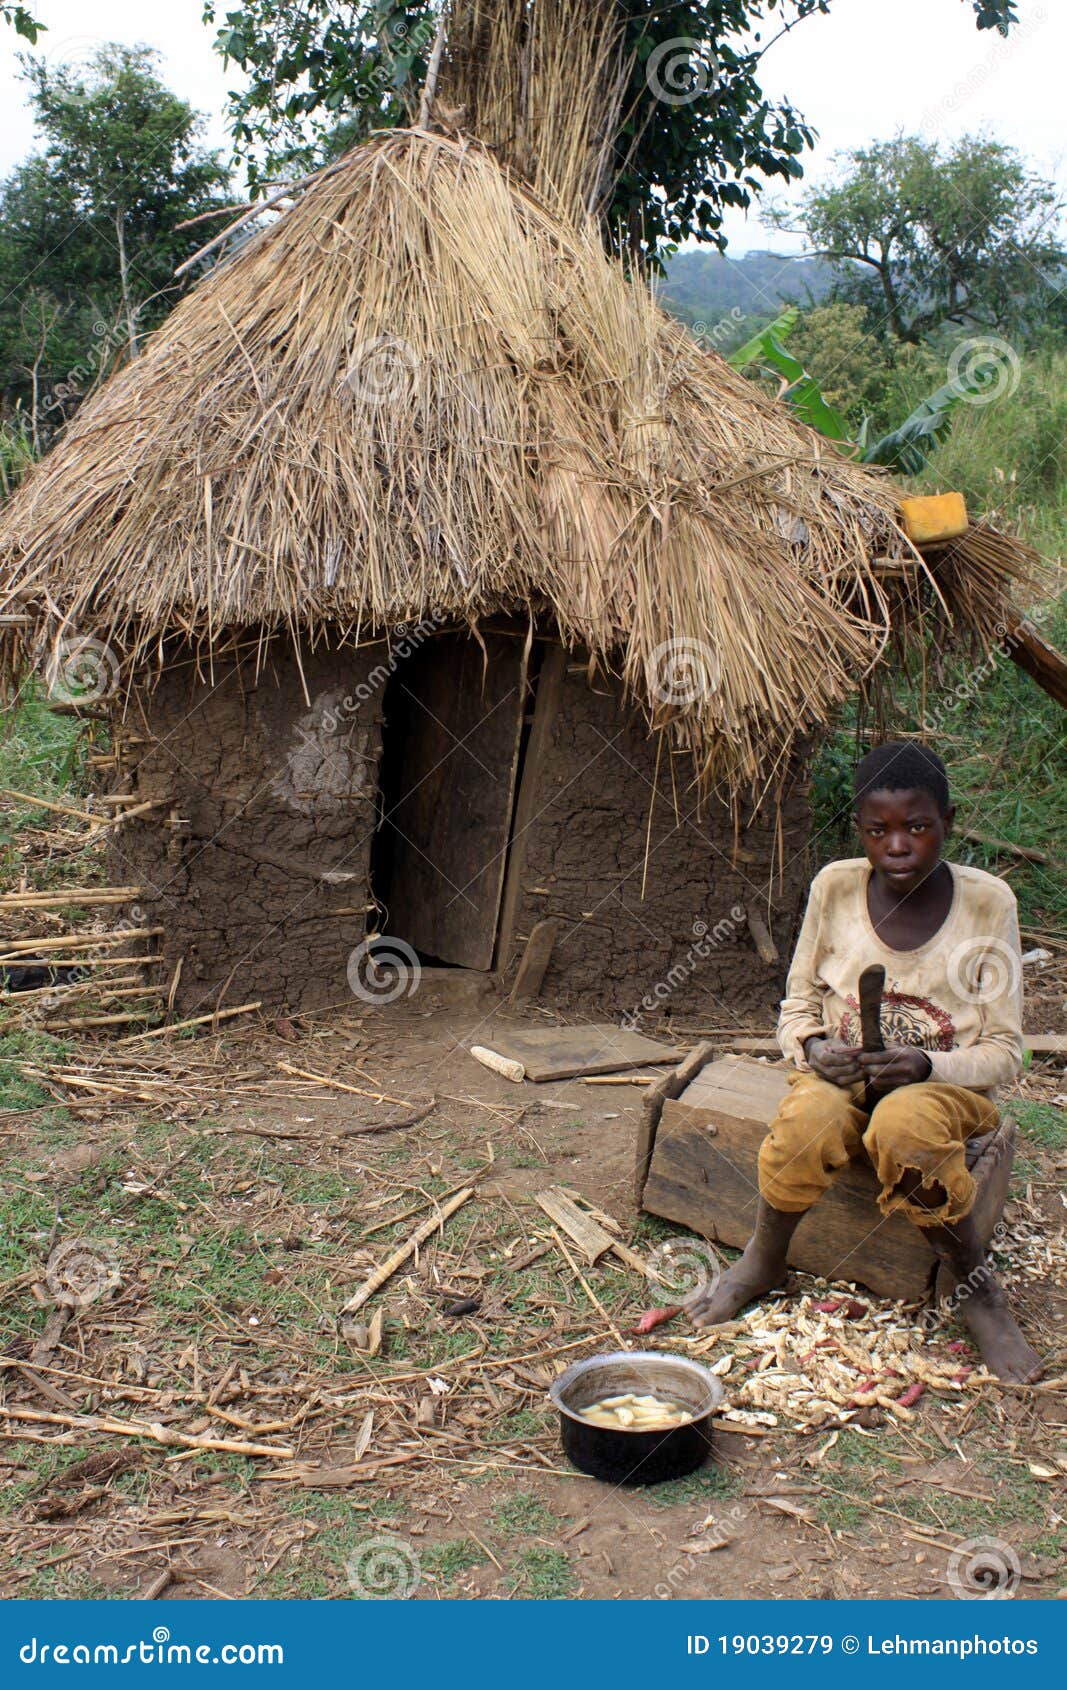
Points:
[[638, 1454]]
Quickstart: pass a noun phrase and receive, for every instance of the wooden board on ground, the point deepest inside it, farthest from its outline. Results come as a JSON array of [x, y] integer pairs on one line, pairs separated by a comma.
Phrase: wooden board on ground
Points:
[[1045, 1044], [591, 1238], [562, 1053], [703, 1174], [535, 960]]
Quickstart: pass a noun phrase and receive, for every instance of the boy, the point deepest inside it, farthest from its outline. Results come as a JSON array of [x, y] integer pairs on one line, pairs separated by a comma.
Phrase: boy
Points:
[[948, 937]]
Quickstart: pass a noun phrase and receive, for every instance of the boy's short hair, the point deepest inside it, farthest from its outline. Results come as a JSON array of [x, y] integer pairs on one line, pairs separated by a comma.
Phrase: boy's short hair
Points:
[[900, 765]]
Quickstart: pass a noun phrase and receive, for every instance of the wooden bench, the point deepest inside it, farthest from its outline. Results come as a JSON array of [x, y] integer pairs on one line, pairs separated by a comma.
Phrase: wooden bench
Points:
[[700, 1159]]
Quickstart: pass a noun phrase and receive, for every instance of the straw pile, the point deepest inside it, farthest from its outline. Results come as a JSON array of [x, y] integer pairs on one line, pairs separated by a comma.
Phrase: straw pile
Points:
[[421, 388]]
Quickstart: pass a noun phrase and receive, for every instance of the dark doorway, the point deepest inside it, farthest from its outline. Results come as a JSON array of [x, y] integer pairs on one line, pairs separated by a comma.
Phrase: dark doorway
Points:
[[451, 737]]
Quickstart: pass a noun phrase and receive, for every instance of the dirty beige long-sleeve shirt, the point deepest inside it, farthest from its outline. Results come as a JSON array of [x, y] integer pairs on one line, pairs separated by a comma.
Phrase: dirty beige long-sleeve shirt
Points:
[[958, 997]]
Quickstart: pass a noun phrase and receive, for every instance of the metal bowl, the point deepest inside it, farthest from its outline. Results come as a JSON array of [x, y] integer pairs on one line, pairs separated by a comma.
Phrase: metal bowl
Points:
[[624, 1456]]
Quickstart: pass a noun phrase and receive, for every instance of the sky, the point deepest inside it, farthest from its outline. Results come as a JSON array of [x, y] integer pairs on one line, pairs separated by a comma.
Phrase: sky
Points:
[[869, 69]]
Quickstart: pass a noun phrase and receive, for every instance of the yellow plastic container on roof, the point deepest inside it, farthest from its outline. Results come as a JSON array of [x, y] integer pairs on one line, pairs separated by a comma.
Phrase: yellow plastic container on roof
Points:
[[937, 516]]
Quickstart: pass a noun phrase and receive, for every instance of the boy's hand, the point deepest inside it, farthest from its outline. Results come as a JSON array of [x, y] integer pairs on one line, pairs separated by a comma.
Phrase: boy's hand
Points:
[[896, 1065], [834, 1060]]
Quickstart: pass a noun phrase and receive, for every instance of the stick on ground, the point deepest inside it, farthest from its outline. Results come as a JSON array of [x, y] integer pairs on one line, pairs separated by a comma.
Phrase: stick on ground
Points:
[[408, 1248]]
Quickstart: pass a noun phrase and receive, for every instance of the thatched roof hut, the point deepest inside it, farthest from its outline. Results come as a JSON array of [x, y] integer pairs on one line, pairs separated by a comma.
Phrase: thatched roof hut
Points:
[[418, 388], [422, 393]]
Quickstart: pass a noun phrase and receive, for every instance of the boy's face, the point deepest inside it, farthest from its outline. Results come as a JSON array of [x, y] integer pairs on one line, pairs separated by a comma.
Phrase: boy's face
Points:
[[902, 834]]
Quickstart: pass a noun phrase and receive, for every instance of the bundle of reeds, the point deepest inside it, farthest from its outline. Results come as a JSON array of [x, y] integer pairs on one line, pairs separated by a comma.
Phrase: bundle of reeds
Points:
[[542, 86], [424, 388]]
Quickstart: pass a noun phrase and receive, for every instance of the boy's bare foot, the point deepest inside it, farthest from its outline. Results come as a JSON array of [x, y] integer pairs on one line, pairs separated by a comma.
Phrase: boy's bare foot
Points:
[[996, 1332], [759, 1269], [980, 1301], [755, 1273]]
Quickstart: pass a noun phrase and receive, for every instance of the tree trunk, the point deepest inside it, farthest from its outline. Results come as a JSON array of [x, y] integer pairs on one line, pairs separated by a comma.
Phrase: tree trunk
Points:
[[1041, 661], [893, 316]]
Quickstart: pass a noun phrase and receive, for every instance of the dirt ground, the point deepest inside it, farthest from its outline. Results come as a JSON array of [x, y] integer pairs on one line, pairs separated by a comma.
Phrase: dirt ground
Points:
[[227, 1208]]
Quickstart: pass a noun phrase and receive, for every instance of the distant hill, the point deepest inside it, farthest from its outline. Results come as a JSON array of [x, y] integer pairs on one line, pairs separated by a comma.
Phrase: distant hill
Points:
[[724, 295]]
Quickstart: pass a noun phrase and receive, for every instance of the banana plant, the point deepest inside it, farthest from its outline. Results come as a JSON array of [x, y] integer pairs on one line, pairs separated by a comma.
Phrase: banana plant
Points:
[[905, 449]]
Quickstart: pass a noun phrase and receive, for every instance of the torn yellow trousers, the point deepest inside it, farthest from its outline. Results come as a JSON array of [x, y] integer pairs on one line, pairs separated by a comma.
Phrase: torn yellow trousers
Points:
[[820, 1128]]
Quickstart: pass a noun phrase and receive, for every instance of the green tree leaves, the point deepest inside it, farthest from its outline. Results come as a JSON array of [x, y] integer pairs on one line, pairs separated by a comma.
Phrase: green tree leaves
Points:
[[679, 162], [88, 236], [926, 237]]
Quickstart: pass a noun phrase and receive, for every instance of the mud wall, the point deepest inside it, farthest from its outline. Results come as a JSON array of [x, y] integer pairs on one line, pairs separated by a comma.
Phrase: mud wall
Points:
[[671, 938], [255, 857]]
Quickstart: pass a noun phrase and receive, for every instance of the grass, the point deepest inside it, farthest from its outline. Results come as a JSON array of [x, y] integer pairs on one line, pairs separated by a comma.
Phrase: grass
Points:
[[851, 1477], [444, 1563], [1003, 743], [341, 1530], [1041, 1123], [1007, 763], [860, 1467], [40, 753], [525, 1423], [524, 1513], [711, 1483], [31, 1048], [541, 1573]]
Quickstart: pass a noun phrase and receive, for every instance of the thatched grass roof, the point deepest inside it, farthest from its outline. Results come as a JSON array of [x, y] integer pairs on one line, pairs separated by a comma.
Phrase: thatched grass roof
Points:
[[420, 388]]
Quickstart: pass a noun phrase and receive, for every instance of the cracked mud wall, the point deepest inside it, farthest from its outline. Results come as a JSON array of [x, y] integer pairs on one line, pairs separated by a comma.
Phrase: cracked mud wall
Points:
[[625, 951], [256, 859]]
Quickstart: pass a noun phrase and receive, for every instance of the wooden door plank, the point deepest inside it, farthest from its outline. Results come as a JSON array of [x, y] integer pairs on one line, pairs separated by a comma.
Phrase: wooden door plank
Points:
[[532, 795], [452, 822]]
